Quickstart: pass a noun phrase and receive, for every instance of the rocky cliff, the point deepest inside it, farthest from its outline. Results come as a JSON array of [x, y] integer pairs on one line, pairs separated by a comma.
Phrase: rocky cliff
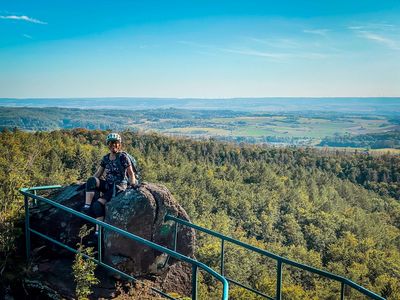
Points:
[[139, 211]]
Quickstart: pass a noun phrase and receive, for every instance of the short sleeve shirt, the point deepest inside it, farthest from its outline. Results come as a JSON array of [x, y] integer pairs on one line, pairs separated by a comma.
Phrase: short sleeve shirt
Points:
[[112, 171]]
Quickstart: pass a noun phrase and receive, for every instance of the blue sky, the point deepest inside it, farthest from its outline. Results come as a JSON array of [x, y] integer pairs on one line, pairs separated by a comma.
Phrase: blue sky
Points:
[[202, 49]]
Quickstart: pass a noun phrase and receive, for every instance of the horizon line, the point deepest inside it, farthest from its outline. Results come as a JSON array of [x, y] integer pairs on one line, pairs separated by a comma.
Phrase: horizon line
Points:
[[203, 98]]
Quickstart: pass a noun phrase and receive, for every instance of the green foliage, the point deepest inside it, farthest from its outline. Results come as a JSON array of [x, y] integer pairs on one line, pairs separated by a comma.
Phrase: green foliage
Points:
[[388, 139], [83, 268], [315, 207]]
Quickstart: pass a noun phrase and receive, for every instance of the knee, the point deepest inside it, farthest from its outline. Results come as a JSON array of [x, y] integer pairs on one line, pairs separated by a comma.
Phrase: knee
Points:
[[91, 184], [98, 209]]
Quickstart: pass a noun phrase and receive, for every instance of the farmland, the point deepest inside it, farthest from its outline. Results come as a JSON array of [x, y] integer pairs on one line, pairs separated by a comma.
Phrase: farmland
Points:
[[302, 128]]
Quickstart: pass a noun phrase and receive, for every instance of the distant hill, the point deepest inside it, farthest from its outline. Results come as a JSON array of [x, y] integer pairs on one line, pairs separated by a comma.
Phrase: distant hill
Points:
[[355, 105]]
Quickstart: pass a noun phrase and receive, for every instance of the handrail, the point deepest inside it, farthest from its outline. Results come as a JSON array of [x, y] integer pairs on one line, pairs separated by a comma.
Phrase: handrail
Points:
[[39, 188], [280, 260], [195, 264]]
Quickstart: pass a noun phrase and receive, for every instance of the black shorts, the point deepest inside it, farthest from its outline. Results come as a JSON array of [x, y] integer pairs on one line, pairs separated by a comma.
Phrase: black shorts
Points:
[[107, 190]]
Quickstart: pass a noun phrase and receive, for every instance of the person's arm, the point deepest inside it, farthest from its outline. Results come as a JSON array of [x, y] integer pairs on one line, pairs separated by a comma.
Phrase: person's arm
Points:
[[131, 175], [99, 172]]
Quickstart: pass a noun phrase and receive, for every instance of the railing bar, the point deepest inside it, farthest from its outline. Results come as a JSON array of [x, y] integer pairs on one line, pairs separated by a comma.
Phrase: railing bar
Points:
[[38, 188], [131, 236], [60, 244], [239, 243], [277, 257], [222, 256], [342, 291], [278, 280], [100, 243], [174, 243], [27, 229], [34, 201], [249, 288], [96, 261], [194, 282], [362, 289], [344, 281], [175, 235], [227, 238]]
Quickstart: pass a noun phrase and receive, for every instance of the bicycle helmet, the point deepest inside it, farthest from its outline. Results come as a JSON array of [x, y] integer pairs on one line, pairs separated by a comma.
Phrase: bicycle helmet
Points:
[[113, 137]]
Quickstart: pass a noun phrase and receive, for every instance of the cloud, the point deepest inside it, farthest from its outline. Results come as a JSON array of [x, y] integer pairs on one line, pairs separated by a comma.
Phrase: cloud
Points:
[[322, 32], [380, 33], [23, 18], [276, 55], [276, 43], [27, 36], [393, 44], [256, 53], [356, 27], [373, 26]]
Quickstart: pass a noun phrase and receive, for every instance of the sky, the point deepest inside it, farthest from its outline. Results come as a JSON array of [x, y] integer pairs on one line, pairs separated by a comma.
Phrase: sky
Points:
[[199, 49]]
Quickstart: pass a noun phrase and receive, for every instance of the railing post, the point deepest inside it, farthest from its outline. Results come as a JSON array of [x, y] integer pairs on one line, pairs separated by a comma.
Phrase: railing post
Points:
[[222, 256], [194, 282], [34, 200], [175, 235], [342, 291], [27, 228], [100, 242], [279, 280]]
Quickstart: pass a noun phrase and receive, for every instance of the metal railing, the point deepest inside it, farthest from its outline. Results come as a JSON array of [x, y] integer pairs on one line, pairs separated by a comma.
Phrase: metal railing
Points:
[[280, 261], [31, 193]]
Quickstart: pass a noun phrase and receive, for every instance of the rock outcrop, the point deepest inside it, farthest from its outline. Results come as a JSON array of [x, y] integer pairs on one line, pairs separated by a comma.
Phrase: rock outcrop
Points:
[[142, 213], [139, 211]]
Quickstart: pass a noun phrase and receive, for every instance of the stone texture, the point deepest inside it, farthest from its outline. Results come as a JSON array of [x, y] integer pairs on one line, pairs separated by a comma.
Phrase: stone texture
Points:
[[142, 213], [56, 223]]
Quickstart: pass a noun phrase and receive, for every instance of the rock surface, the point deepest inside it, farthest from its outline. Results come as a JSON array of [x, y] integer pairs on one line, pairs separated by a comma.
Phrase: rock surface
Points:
[[142, 213], [139, 211]]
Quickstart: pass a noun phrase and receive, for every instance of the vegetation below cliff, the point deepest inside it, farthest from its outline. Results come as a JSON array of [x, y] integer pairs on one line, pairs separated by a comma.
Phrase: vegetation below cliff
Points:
[[334, 211]]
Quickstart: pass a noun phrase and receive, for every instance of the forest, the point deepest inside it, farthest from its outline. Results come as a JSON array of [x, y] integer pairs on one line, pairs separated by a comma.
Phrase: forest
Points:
[[332, 210], [390, 139]]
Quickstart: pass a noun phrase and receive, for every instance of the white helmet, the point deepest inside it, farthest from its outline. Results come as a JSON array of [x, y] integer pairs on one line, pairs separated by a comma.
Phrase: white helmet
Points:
[[113, 137]]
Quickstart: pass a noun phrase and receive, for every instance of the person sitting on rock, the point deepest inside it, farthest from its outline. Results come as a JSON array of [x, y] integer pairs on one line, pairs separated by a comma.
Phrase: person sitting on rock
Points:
[[111, 177]]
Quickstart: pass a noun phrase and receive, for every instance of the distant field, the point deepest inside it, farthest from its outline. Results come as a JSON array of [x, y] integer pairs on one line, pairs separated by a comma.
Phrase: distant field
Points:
[[278, 126], [303, 128]]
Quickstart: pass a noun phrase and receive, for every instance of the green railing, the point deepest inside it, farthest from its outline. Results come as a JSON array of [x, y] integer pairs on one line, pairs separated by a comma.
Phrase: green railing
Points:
[[280, 261], [30, 193]]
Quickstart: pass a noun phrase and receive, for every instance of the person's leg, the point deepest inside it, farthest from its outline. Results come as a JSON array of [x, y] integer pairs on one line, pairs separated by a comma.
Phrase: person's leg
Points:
[[99, 210], [92, 184]]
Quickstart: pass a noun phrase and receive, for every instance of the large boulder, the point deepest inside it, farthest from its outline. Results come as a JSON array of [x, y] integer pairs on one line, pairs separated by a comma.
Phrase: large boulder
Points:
[[142, 213], [139, 211]]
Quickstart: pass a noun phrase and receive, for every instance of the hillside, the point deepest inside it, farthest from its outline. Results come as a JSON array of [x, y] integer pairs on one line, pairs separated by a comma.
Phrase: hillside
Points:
[[328, 210]]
